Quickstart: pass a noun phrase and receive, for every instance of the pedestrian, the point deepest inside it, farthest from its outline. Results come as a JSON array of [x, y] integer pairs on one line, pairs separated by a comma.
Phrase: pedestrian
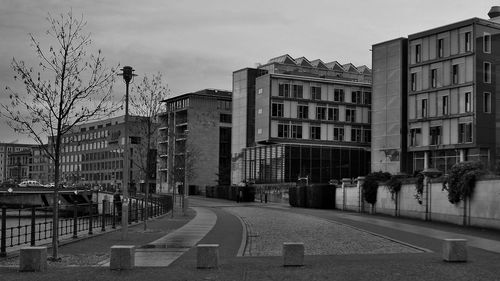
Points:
[[240, 195]]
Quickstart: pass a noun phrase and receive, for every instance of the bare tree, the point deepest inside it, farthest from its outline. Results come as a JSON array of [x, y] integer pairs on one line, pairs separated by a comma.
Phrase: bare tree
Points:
[[67, 88], [146, 101]]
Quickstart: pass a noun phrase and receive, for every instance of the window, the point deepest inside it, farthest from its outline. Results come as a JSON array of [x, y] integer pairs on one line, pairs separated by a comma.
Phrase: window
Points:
[[277, 110], [487, 72], [413, 81], [259, 92], [296, 131], [315, 93], [440, 46], [302, 111], [283, 130], [468, 102], [367, 97], [284, 90], [225, 118], [297, 91], [356, 134], [315, 132], [435, 135], [338, 133], [338, 95], [321, 113], [356, 96], [444, 105], [350, 115], [333, 113], [367, 135], [455, 74], [415, 137], [487, 102], [487, 43], [418, 53], [468, 40], [423, 108], [464, 132], [433, 78]]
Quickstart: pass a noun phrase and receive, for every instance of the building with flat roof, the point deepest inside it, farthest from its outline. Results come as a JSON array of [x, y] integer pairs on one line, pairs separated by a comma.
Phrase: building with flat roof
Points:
[[298, 118], [92, 154], [195, 140], [451, 93]]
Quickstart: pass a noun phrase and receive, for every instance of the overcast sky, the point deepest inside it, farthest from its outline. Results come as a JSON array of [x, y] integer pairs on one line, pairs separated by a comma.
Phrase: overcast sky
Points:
[[197, 44]]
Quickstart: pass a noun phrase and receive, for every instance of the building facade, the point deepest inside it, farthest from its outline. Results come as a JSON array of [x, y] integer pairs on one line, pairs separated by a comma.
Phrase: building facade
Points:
[[195, 140], [9, 164], [92, 154], [451, 94], [299, 118]]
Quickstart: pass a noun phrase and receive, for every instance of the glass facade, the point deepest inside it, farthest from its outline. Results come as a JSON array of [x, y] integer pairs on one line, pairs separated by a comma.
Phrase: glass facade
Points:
[[282, 163]]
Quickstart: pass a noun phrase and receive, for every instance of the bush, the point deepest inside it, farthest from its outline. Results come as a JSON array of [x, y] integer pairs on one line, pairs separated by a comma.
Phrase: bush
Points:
[[462, 180], [419, 187], [370, 185], [394, 185]]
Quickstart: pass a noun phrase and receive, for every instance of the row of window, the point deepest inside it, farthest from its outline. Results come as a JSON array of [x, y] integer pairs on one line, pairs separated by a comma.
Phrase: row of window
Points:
[[179, 104], [322, 112], [436, 132], [296, 91], [454, 76], [423, 110], [467, 46], [294, 131]]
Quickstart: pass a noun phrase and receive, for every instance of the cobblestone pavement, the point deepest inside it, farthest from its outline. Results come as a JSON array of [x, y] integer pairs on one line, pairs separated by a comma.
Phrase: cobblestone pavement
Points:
[[268, 229]]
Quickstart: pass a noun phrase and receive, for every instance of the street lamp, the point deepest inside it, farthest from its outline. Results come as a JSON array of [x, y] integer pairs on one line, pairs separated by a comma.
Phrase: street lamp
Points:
[[429, 173], [128, 75]]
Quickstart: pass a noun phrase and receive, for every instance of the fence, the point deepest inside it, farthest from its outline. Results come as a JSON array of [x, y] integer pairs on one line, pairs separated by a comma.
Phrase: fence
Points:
[[34, 225]]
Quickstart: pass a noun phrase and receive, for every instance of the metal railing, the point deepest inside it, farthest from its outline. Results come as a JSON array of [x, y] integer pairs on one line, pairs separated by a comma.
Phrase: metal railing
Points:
[[33, 226]]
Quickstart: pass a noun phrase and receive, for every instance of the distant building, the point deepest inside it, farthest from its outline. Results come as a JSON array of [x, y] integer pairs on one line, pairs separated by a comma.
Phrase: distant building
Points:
[[449, 84], [92, 154], [8, 166], [195, 133], [298, 118]]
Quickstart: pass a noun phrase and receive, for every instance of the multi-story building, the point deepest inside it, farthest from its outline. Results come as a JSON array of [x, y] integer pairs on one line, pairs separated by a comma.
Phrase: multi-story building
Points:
[[195, 140], [389, 106], [6, 149], [92, 154], [451, 93], [298, 118]]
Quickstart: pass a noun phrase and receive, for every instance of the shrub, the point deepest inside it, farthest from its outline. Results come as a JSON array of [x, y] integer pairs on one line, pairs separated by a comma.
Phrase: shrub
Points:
[[370, 185], [462, 180], [394, 185], [419, 187]]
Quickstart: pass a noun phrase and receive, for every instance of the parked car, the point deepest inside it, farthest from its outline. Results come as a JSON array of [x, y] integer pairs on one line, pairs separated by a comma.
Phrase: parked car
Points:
[[29, 183]]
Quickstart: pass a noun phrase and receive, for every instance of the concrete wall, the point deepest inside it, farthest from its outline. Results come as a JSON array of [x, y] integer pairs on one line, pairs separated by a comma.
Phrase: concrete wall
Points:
[[482, 210]]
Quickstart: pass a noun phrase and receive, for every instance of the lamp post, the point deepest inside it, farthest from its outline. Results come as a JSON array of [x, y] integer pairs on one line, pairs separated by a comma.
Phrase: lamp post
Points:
[[186, 189], [128, 74], [429, 173]]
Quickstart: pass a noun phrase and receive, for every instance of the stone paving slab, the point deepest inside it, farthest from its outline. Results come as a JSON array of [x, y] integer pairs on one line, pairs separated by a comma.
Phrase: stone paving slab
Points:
[[164, 251]]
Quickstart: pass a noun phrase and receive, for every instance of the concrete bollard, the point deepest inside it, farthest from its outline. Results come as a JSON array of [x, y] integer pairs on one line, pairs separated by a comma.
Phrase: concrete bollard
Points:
[[207, 256], [122, 257], [293, 254], [455, 250], [33, 259]]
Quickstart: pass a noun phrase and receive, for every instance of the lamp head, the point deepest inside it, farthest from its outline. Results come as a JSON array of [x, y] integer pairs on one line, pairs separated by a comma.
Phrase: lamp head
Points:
[[127, 73]]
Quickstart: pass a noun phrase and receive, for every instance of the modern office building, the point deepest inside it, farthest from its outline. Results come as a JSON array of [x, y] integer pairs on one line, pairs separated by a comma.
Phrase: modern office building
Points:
[[452, 94], [389, 110], [195, 136], [92, 154], [298, 118]]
